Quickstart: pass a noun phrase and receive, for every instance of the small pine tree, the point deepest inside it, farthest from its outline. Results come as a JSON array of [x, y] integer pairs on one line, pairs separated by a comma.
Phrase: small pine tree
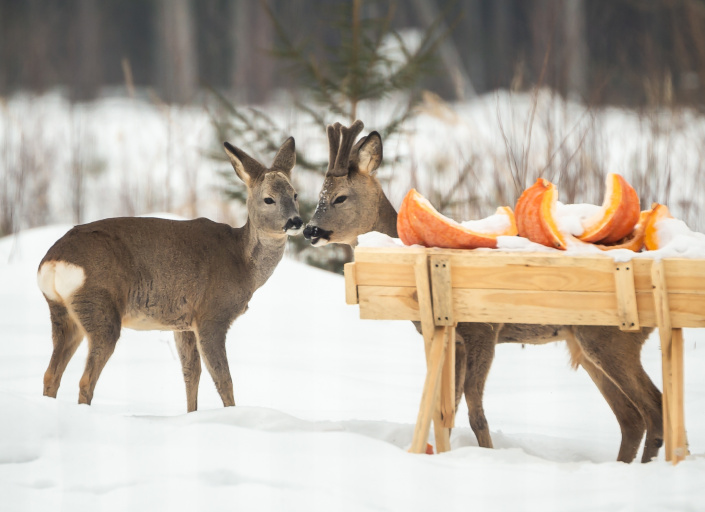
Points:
[[371, 62]]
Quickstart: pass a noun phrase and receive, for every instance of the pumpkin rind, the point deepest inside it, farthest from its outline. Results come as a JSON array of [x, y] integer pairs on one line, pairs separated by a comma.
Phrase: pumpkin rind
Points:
[[535, 217], [619, 214], [420, 221], [651, 238]]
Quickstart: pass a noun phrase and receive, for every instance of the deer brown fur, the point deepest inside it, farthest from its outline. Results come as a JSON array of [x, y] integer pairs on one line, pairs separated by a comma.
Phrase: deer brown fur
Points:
[[191, 277], [352, 203]]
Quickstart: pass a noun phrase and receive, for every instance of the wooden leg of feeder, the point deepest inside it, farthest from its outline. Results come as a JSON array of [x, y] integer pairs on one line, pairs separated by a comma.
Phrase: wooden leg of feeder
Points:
[[676, 413], [429, 398], [665, 336], [443, 419]]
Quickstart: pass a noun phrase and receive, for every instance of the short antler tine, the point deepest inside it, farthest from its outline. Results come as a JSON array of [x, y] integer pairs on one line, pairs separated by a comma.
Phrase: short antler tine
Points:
[[348, 139], [333, 143]]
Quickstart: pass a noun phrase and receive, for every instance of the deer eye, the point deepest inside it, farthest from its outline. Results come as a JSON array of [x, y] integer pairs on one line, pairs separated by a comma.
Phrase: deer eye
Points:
[[340, 199], [268, 200], [296, 196]]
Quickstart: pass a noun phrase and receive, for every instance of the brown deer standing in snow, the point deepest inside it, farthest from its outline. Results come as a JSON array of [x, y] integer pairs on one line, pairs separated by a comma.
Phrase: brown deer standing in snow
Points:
[[352, 203], [191, 277]]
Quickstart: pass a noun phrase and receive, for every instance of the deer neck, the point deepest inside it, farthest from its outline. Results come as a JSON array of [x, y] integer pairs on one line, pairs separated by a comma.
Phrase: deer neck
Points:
[[261, 252], [386, 221]]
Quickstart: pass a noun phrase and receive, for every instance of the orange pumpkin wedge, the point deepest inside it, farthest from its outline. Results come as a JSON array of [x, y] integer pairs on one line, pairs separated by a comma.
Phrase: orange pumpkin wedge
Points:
[[618, 215], [421, 221], [651, 238], [635, 240], [535, 217], [406, 233]]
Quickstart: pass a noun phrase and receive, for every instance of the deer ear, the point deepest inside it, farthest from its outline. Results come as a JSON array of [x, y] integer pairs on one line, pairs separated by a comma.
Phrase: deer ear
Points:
[[286, 156], [369, 156], [246, 167]]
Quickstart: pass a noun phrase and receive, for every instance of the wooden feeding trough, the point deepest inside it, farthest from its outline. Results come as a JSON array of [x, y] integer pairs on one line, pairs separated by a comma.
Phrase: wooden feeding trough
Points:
[[441, 287]]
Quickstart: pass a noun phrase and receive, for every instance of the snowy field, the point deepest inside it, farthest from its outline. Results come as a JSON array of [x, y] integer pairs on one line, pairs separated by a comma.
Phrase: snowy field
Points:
[[326, 407]]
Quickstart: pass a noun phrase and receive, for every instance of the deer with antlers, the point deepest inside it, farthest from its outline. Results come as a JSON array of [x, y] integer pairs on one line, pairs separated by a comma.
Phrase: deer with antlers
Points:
[[191, 277], [351, 203]]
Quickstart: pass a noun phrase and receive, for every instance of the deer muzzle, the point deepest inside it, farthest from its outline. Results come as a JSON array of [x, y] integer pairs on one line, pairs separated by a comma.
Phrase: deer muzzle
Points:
[[318, 236], [293, 226]]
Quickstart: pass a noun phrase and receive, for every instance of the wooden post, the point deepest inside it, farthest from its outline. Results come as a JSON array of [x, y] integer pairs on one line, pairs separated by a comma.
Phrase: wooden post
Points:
[[429, 396], [424, 296], [671, 367], [626, 296], [679, 443], [350, 284]]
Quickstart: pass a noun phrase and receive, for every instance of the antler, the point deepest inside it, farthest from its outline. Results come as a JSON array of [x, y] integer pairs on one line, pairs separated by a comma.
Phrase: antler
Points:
[[333, 144], [342, 158]]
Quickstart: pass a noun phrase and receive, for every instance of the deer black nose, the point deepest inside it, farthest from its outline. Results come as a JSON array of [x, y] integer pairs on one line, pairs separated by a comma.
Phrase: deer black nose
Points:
[[294, 224], [310, 231]]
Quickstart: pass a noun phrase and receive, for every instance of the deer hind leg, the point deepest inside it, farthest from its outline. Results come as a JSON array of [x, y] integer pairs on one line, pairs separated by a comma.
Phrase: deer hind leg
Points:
[[66, 336], [211, 345], [480, 340], [631, 423], [101, 320], [618, 355], [186, 346]]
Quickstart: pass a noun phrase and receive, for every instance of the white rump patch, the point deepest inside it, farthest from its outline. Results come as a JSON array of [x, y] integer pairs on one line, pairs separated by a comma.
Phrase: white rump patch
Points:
[[59, 280]]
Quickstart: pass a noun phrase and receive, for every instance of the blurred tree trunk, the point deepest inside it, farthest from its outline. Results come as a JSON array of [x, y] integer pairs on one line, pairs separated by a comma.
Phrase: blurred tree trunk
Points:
[[177, 66], [575, 55], [252, 36], [501, 63], [459, 79], [473, 37], [543, 30], [87, 77]]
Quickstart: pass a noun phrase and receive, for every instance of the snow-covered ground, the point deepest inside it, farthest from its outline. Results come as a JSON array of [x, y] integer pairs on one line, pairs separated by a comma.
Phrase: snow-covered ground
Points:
[[326, 407]]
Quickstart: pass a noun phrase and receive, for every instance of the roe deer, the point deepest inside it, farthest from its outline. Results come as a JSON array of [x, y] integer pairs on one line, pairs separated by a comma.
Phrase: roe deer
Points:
[[192, 277], [352, 203]]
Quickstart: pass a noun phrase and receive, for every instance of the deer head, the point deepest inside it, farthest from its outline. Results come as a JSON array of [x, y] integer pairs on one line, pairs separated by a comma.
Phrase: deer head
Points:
[[351, 201], [271, 199]]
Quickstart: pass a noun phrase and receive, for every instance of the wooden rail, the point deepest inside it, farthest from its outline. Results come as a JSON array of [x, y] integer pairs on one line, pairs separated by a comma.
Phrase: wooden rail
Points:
[[441, 287]]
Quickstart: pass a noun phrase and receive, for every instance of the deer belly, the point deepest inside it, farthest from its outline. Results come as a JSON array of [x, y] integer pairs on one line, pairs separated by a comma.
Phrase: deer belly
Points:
[[146, 323], [157, 319]]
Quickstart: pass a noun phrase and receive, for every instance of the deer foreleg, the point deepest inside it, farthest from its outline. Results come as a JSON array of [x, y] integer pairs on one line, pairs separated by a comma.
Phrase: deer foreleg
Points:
[[211, 345], [186, 346]]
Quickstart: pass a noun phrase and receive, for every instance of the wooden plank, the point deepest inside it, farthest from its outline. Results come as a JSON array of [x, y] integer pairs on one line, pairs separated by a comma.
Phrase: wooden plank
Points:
[[676, 400], [531, 277], [430, 391], [350, 284], [569, 308], [441, 290], [626, 297], [498, 270], [681, 275], [387, 274], [388, 303]]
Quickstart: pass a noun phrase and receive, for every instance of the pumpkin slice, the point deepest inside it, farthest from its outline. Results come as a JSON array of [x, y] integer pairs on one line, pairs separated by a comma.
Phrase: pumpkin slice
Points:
[[635, 240], [618, 215], [407, 234], [535, 215], [437, 230], [651, 237]]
